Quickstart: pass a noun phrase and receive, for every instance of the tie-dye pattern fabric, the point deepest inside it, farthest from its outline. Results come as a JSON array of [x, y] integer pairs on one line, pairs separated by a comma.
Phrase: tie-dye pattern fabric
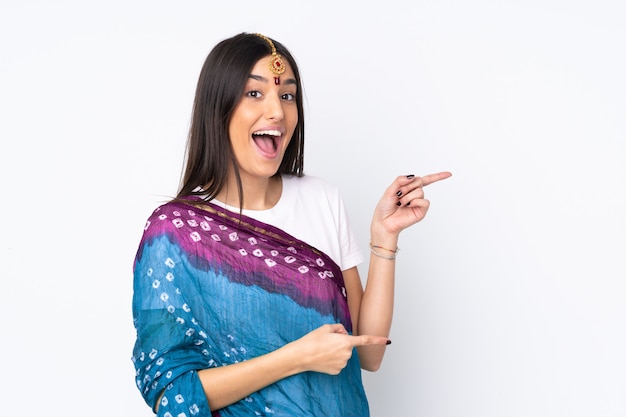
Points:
[[213, 288]]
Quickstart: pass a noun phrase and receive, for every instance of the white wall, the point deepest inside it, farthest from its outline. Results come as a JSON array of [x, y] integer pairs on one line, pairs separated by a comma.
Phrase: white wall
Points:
[[511, 297]]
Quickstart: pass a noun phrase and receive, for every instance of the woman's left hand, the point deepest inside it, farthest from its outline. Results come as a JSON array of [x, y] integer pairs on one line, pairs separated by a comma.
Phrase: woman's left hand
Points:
[[403, 203]]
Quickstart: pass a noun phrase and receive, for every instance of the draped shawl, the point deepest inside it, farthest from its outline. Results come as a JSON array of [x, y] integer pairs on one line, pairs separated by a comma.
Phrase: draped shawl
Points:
[[213, 288]]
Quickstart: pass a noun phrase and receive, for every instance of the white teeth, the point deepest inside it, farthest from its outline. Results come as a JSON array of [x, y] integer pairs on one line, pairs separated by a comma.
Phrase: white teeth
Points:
[[268, 132]]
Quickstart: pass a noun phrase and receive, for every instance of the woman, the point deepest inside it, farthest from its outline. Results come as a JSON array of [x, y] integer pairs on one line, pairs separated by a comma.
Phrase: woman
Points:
[[247, 299]]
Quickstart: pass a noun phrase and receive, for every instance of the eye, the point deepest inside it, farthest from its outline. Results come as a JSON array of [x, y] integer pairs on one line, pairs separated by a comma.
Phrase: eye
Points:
[[289, 97], [254, 94]]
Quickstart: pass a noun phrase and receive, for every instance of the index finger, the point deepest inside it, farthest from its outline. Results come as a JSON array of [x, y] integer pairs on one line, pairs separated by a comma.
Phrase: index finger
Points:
[[364, 340], [429, 179]]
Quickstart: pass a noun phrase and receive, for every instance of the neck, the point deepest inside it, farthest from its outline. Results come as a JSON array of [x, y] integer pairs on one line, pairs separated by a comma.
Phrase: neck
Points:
[[258, 193]]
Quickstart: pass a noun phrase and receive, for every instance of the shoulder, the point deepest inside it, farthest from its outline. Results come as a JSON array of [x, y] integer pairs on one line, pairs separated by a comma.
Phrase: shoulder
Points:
[[311, 183], [167, 218], [164, 210], [315, 193]]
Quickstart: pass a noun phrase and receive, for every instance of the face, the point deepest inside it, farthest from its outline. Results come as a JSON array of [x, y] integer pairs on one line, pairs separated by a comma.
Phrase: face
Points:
[[264, 121]]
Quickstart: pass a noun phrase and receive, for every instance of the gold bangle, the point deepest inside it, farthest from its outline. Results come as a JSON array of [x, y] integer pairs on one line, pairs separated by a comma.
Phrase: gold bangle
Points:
[[380, 255], [380, 247]]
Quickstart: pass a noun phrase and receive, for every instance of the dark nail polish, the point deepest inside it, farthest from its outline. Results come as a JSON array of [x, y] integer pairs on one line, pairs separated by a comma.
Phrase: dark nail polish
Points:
[[399, 193], [398, 204], [408, 204], [388, 341], [410, 176]]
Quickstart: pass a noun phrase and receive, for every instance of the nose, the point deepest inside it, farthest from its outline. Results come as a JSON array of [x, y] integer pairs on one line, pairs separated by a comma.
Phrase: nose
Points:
[[273, 107]]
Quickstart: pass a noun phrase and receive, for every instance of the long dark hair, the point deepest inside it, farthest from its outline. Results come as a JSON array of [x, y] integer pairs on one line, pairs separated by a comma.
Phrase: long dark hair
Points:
[[220, 87]]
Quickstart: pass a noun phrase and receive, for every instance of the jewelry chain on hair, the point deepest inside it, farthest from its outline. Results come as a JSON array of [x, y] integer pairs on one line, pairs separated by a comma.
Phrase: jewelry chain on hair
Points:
[[276, 64]]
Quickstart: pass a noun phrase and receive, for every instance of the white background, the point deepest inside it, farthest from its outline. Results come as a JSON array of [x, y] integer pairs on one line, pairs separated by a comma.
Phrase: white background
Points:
[[511, 297]]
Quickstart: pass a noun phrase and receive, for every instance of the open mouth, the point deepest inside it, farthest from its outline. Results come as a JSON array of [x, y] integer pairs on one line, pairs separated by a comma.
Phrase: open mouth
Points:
[[267, 140]]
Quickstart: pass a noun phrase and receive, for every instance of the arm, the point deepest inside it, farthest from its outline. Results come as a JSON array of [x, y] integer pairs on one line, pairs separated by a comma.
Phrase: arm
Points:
[[326, 349], [401, 206], [371, 311]]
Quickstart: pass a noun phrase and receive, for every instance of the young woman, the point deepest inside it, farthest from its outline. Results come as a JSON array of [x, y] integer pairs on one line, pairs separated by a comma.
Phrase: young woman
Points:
[[247, 299]]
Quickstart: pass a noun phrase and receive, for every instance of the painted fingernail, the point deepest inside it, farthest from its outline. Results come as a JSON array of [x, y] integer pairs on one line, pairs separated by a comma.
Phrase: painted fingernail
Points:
[[410, 176], [398, 204], [408, 204], [399, 193], [388, 341]]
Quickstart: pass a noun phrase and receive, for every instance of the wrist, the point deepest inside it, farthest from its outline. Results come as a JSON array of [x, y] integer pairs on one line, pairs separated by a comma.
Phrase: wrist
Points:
[[298, 362], [380, 237]]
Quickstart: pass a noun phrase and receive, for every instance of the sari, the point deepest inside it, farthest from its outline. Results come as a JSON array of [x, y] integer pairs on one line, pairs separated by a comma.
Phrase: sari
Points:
[[213, 288]]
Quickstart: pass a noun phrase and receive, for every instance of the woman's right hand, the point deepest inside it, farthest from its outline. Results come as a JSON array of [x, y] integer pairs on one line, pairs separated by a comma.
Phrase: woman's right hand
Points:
[[328, 348]]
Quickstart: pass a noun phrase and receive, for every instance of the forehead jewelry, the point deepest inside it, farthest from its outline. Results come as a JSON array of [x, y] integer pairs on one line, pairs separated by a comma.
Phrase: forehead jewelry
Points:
[[276, 64]]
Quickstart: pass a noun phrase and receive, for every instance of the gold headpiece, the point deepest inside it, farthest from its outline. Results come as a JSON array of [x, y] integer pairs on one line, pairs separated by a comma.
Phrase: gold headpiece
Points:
[[276, 64]]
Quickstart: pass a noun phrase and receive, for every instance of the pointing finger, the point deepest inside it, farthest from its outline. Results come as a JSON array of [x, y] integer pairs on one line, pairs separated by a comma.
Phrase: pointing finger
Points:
[[429, 179], [365, 340]]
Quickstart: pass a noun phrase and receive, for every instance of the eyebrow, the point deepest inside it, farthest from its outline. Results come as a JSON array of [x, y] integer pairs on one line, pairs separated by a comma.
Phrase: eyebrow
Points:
[[265, 80]]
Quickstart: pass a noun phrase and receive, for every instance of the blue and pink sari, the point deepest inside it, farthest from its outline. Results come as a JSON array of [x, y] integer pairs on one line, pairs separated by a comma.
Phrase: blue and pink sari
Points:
[[213, 288]]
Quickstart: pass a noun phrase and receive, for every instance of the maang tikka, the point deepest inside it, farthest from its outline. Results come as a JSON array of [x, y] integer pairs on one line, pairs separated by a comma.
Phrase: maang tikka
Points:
[[276, 64]]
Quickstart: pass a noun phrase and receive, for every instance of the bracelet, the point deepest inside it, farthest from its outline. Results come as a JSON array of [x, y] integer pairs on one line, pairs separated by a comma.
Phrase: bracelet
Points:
[[380, 255]]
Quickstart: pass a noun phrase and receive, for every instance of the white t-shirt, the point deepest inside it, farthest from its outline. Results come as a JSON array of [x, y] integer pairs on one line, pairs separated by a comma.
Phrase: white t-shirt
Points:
[[311, 210]]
